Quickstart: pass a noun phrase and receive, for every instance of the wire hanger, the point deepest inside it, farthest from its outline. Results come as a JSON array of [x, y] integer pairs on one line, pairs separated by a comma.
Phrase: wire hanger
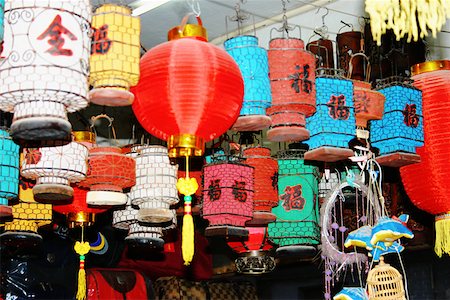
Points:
[[322, 31]]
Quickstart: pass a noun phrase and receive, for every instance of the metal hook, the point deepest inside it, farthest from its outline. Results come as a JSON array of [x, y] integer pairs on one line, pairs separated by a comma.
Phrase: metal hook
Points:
[[323, 17]]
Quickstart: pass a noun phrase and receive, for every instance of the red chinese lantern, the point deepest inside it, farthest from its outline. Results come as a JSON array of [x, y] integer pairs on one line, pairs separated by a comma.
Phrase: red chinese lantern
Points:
[[189, 92], [433, 78], [253, 252], [266, 175]]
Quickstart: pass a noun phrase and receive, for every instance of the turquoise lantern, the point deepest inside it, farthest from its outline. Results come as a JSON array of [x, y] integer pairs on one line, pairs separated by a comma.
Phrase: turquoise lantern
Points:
[[333, 125], [254, 66], [297, 225], [2, 10], [9, 172], [401, 130]]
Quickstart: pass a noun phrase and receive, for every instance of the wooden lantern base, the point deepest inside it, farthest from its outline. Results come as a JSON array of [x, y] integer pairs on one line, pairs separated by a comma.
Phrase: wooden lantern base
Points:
[[105, 198], [297, 251], [39, 129], [154, 215], [226, 231], [287, 134], [261, 218], [47, 193], [21, 242], [328, 154], [5, 213], [111, 97], [252, 123], [398, 159]]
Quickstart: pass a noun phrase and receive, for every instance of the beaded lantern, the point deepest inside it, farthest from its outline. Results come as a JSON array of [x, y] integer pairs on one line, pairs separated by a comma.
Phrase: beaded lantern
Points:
[[385, 283], [115, 55], [253, 252], [9, 172], [333, 125], [254, 66], [156, 178], [292, 78], [109, 172], [54, 168], [266, 175], [186, 115], [297, 223], [401, 130], [28, 216], [44, 73], [228, 193]]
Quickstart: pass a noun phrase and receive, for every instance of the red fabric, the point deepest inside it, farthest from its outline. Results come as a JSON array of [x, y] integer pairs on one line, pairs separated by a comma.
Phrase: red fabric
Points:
[[257, 240], [78, 204], [188, 86], [172, 264]]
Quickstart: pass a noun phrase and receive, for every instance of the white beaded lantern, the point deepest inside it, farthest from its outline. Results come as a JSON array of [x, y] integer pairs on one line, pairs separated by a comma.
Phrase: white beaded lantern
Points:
[[155, 190], [45, 70], [328, 182], [54, 168]]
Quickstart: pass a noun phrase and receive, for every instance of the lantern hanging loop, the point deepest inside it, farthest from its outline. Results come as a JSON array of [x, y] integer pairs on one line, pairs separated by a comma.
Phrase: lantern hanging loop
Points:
[[350, 66], [345, 25], [194, 5], [110, 125], [322, 30]]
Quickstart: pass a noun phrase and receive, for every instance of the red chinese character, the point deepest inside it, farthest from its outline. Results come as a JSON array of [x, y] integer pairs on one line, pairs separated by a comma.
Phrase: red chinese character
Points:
[[54, 32], [292, 198]]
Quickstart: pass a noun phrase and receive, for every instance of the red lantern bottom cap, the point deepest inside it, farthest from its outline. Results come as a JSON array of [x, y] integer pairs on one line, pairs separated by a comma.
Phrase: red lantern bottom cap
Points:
[[287, 134], [261, 218], [252, 123], [5, 213], [328, 154], [111, 97]]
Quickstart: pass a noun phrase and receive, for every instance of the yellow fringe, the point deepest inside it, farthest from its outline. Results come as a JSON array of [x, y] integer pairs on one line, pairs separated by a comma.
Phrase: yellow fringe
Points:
[[187, 242], [81, 293], [442, 244]]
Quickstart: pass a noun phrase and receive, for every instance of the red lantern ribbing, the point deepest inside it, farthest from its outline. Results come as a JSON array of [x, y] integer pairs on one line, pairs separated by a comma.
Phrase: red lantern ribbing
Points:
[[189, 92]]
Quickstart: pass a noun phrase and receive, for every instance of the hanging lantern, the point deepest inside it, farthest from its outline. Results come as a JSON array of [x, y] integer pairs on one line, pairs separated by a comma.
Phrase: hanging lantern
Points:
[[401, 130], [348, 44], [28, 216], [156, 178], [115, 55], [54, 168], [333, 125], [44, 73], [266, 176], [297, 212], [253, 252], [228, 193], [9, 173], [323, 50], [385, 282], [253, 63], [109, 172], [292, 78], [186, 115], [368, 103]]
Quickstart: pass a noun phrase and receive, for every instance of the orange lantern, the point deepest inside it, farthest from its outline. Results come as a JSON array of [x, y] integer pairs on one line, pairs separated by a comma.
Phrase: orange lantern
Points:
[[189, 92]]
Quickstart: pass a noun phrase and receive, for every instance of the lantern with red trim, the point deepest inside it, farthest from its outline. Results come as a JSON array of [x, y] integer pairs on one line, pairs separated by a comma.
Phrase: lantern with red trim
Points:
[[109, 172], [433, 78], [253, 252], [189, 92], [292, 76], [266, 176]]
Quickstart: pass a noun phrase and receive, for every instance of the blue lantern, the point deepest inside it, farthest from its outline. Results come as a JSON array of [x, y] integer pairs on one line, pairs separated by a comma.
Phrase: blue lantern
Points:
[[254, 66], [401, 130], [2, 10], [9, 172], [297, 213], [333, 125]]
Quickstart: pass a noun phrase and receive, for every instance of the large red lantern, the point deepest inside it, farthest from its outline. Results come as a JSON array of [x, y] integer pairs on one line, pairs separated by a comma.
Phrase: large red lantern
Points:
[[189, 92]]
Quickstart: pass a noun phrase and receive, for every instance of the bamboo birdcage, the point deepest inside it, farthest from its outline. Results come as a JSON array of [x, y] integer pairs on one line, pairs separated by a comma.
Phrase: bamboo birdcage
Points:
[[385, 283]]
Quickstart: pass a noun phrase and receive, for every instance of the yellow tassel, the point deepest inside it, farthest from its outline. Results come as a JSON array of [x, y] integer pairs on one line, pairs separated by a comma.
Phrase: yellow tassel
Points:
[[442, 225], [187, 243], [81, 293]]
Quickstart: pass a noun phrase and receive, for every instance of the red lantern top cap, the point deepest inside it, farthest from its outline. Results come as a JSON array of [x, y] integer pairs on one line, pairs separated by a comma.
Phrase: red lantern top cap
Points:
[[430, 66]]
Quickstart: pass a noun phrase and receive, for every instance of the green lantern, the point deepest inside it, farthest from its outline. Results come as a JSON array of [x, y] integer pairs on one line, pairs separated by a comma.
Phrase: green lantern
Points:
[[297, 213]]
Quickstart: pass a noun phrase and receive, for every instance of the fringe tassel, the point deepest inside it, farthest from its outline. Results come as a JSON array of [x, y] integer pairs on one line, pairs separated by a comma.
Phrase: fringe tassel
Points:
[[81, 292], [442, 225], [187, 243]]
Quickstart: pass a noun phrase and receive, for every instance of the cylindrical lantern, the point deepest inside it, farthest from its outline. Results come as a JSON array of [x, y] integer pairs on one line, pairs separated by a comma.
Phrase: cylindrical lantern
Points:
[[254, 66], [333, 125], [228, 193], [189, 92], [323, 50], [369, 104], [266, 176], [115, 55], [156, 178], [401, 130], [54, 168], [78, 212], [292, 78], [297, 212], [28, 216], [44, 73], [253, 252], [9, 172], [349, 43]]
